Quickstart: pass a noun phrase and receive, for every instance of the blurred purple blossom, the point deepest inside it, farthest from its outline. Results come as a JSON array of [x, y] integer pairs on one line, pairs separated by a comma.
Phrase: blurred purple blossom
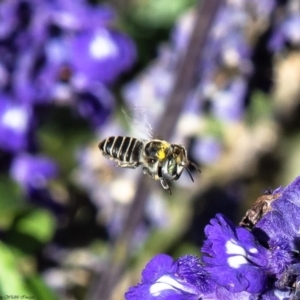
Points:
[[263, 8], [286, 32], [33, 171], [52, 50], [207, 150], [95, 103], [61, 52], [15, 124], [78, 15], [103, 53], [228, 104]]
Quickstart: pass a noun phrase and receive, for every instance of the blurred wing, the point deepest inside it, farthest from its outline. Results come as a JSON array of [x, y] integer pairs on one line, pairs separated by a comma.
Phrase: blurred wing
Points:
[[140, 120]]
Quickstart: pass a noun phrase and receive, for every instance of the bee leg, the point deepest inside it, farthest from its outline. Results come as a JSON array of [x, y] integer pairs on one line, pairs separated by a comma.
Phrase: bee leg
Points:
[[165, 185], [146, 171], [127, 165]]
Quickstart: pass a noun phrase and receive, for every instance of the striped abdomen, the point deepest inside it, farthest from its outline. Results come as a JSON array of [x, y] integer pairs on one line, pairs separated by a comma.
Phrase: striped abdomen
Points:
[[122, 148]]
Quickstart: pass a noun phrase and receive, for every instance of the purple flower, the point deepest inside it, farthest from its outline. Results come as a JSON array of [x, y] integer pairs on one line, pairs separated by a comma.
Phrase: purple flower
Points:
[[233, 257], [77, 15], [101, 54], [95, 103], [287, 32], [228, 103], [15, 124], [236, 263], [33, 171], [166, 279], [50, 48], [264, 8], [279, 227], [207, 150]]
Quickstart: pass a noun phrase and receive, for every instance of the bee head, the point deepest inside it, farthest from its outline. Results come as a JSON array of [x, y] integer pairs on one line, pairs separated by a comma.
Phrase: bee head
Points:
[[173, 165], [176, 162]]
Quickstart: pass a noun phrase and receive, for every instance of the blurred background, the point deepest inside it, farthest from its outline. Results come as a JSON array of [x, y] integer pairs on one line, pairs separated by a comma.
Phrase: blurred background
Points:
[[221, 78]]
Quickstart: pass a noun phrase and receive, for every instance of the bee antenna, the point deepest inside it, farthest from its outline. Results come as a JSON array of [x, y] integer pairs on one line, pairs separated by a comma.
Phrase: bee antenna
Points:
[[189, 172], [195, 166]]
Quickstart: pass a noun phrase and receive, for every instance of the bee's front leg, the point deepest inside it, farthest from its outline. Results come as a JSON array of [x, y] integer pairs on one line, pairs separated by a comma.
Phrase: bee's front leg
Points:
[[146, 171], [165, 185]]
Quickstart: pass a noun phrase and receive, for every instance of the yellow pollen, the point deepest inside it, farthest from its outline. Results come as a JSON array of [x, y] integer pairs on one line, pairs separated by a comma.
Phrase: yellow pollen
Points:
[[161, 154]]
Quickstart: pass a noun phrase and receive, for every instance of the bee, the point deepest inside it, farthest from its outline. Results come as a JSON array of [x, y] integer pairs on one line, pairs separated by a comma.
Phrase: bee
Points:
[[260, 207], [160, 159]]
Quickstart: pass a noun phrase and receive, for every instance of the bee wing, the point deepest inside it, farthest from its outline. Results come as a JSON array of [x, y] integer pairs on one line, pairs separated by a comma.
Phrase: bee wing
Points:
[[140, 120]]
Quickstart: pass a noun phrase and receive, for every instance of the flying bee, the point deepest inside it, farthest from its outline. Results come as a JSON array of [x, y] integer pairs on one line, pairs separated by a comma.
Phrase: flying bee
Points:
[[160, 160]]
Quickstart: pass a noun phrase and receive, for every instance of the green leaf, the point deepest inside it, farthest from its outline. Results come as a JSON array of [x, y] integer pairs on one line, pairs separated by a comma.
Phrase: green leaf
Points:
[[260, 108], [39, 289], [39, 224], [11, 201], [14, 284], [158, 13], [61, 139], [11, 196], [11, 280]]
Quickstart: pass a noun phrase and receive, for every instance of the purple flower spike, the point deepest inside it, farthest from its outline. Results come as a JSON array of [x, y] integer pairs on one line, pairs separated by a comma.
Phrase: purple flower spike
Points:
[[33, 171], [284, 216], [166, 279], [234, 258], [280, 227]]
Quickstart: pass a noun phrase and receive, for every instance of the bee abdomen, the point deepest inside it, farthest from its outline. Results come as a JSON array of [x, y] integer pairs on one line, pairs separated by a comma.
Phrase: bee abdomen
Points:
[[122, 148]]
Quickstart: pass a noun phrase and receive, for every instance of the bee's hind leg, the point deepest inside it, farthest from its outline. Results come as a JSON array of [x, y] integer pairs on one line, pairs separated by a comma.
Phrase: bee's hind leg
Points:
[[127, 165]]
